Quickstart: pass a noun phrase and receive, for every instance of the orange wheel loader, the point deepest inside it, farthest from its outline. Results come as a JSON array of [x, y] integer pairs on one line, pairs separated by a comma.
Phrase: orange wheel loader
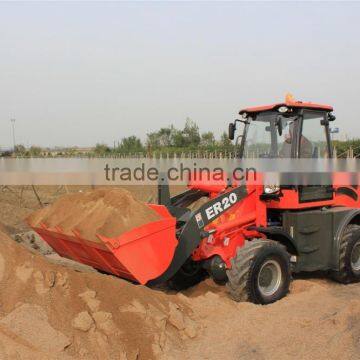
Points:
[[250, 237]]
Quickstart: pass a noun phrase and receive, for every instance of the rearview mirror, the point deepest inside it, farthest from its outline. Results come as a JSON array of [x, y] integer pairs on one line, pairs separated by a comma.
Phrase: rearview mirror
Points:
[[231, 131]]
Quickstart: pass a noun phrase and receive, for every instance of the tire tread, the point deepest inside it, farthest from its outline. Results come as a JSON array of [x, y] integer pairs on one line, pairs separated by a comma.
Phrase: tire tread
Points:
[[343, 275], [239, 286]]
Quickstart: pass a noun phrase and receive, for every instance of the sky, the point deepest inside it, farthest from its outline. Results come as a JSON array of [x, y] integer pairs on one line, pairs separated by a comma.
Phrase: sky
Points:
[[85, 73]]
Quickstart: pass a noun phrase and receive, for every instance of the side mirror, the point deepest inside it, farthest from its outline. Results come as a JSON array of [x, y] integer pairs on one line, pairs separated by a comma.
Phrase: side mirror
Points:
[[231, 131], [324, 122]]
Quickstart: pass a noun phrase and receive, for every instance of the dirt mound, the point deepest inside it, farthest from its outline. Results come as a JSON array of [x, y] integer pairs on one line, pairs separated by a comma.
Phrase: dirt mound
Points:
[[65, 312], [6, 229], [50, 309], [108, 212]]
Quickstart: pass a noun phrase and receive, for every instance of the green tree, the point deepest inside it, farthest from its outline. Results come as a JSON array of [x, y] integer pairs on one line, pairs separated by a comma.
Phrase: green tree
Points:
[[131, 144], [153, 141], [164, 135], [224, 140], [102, 149], [191, 133], [35, 151], [207, 139], [342, 147], [178, 139], [161, 138]]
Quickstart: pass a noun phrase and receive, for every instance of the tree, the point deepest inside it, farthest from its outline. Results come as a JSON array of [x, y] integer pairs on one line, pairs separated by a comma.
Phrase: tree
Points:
[[161, 138], [101, 149], [172, 137], [191, 133], [224, 140], [35, 151], [20, 150], [178, 139], [131, 144], [164, 135], [207, 139], [153, 141]]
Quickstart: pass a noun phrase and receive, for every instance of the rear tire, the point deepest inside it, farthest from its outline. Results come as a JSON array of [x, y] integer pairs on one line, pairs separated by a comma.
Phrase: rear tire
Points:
[[349, 256], [260, 272], [190, 274]]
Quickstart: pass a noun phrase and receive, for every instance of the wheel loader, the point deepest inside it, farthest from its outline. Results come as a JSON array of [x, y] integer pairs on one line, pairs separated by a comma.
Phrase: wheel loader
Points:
[[249, 237]]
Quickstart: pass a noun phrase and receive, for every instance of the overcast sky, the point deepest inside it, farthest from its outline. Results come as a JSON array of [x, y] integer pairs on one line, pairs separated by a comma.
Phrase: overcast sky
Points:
[[82, 73]]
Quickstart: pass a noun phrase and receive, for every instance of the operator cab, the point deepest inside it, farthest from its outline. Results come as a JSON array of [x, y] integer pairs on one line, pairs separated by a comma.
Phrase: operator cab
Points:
[[292, 129], [289, 130]]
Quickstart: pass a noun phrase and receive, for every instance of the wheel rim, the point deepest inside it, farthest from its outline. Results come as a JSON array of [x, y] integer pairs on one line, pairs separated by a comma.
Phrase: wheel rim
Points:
[[270, 277], [355, 257]]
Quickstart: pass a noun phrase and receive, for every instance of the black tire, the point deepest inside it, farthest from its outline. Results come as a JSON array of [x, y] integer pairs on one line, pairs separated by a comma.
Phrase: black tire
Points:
[[251, 266], [349, 271], [190, 274]]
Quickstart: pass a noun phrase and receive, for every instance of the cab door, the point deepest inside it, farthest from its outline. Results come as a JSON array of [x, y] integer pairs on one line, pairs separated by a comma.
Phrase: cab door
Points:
[[313, 142]]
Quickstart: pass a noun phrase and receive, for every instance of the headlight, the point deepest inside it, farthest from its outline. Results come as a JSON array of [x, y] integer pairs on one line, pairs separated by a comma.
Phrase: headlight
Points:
[[283, 109], [271, 189]]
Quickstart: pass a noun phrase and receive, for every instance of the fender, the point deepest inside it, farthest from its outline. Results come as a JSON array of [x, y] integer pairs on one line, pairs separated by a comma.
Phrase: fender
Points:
[[347, 191], [278, 234], [193, 232]]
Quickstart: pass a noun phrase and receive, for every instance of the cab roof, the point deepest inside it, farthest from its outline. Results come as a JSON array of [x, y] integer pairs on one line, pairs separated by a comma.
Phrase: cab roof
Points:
[[290, 103]]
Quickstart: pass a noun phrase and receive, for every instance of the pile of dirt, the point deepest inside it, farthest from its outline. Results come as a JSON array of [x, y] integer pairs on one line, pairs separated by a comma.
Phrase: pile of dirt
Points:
[[58, 310], [6, 228], [107, 212], [51, 311]]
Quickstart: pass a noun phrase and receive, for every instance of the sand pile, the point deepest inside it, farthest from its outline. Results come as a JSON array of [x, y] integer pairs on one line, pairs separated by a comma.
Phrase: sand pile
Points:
[[65, 312], [51, 311], [108, 212]]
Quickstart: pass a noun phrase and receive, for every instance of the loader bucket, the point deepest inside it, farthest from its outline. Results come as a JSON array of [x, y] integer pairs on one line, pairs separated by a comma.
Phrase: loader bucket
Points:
[[139, 255]]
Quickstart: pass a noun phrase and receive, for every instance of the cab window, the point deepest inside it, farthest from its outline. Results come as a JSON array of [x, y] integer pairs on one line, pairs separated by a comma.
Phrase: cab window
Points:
[[313, 140]]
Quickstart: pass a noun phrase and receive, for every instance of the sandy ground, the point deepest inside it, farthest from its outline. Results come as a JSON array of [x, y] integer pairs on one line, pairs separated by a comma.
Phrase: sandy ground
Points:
[[51, 308]]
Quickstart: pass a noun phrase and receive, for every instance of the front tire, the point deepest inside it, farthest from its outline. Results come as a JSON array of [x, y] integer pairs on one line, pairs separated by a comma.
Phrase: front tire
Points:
[[260, 272], [349, 256]]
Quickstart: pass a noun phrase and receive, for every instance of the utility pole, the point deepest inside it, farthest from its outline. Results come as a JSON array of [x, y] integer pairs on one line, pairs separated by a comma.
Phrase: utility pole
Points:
[[13, 131]]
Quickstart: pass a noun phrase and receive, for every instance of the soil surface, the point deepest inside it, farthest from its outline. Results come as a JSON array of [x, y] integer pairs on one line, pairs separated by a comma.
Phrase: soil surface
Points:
[[52, 308]]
